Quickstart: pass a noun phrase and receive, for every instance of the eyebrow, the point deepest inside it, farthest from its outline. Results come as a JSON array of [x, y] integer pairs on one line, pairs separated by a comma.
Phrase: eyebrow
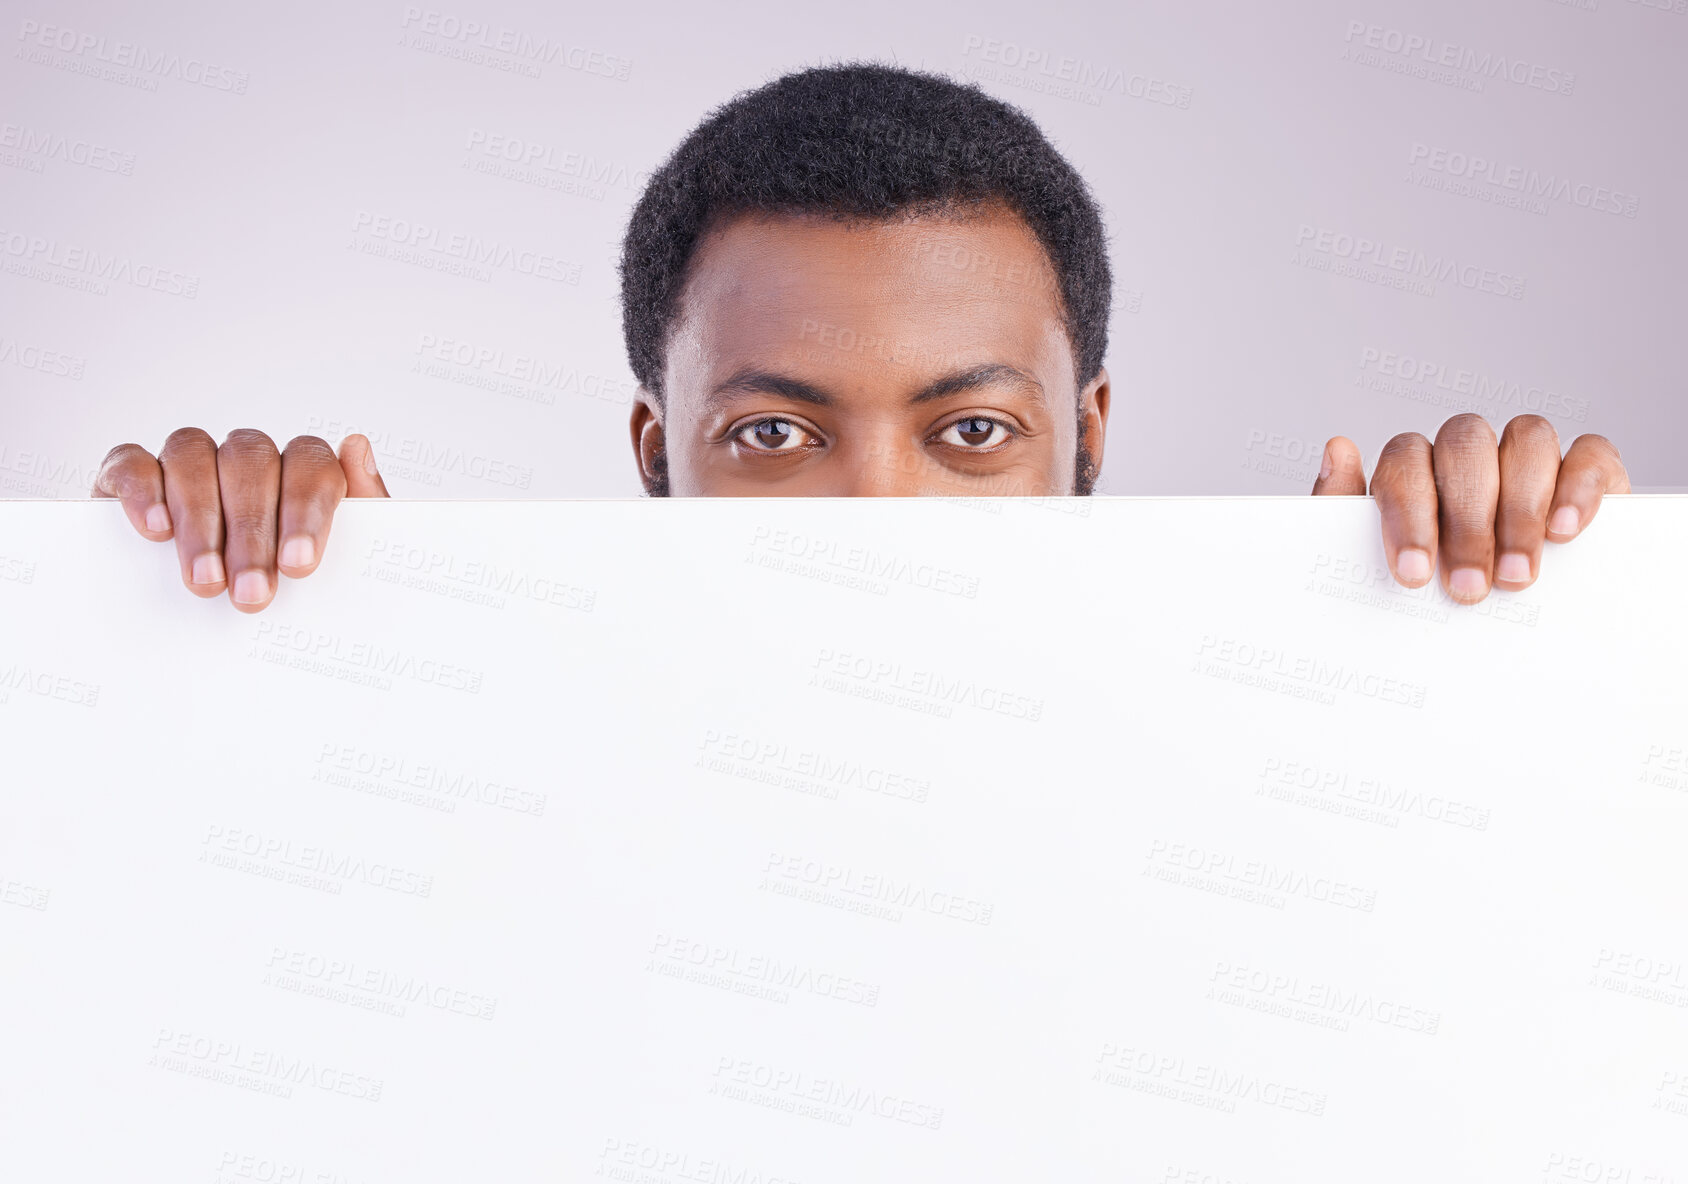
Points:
[[752, 380]]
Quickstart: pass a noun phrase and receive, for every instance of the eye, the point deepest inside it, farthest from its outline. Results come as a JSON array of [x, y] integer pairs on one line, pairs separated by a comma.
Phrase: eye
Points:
[[976, 433], [772, 435]]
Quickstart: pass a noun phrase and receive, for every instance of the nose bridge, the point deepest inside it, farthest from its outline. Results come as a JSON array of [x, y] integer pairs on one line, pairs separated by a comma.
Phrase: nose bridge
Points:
[[887, 464]]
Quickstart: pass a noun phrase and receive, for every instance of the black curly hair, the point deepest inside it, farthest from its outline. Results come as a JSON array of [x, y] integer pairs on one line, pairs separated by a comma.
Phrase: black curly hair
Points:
[[862, 140]]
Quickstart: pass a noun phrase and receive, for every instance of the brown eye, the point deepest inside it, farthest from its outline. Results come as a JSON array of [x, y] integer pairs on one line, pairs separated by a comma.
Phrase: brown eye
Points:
[[975, 432], [772, 435]]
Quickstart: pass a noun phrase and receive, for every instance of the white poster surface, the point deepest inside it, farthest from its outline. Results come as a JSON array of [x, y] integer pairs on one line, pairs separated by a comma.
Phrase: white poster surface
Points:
[[783, 840]]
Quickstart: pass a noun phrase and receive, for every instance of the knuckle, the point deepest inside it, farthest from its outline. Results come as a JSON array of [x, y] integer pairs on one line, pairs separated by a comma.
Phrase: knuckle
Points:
[[1401, 457], [330, 485], [1599, 446], [1403, 473], [1467, 489], [198, 523], [186, 440], [1466, 421], [1467, 463], [1528, 512], [121, 466], [1406, 444], [249, 523], [311, 471], [1585, 480], [1466, 510], [245, 445], [1465, 532], [1466, 430], [1593, 463], [1533, 431], [124, 454], [309, 448]]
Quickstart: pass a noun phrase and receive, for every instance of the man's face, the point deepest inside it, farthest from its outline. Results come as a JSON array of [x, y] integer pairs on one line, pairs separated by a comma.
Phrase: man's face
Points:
[[813, 357]]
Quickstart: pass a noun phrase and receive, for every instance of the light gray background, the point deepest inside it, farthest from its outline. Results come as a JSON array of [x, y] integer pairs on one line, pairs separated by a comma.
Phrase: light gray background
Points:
[[1235, 350]]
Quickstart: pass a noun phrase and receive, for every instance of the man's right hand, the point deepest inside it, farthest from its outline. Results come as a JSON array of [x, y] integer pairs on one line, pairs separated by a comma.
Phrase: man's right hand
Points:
[[240, 512]]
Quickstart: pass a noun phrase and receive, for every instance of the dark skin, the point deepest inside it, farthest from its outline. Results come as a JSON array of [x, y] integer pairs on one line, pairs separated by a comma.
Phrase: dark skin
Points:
[[912, 342], [814, 357]]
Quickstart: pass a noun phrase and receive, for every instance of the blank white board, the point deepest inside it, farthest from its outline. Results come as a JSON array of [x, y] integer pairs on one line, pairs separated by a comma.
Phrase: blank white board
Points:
[[780, 840]]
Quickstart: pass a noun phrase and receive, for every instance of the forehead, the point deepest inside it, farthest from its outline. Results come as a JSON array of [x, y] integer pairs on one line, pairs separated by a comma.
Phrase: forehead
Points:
[[922, 294]]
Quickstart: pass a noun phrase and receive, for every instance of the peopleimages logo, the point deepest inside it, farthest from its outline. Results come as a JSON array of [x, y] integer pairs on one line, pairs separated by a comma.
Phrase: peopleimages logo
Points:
[[43, 361], [516, 45], [46, 145], [1528, 182], [1434, 52], [467, 248], [129, 56], [1408, 261], [1478, 385], [41, 257], [1086, 75]]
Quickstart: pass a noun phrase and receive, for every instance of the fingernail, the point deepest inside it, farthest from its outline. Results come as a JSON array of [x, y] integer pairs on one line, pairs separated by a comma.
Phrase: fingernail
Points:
[[369, 459], [251, 587], [1467, 583], [158, 519], [208, 569], [1325, 465], [1513, 568], [1565, 520], [1413, 564], [298, 552]]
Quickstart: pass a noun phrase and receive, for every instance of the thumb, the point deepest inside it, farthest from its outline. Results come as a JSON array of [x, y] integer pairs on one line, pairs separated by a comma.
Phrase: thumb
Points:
[[1341, 471], [357, 460]]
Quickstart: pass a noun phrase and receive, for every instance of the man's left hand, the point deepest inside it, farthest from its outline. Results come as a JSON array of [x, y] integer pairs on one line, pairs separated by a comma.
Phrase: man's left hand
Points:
[[1473, 509]]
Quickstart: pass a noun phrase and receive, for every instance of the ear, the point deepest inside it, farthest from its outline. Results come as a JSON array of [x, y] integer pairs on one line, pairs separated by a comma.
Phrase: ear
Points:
[[1093, 403], [649, 443]]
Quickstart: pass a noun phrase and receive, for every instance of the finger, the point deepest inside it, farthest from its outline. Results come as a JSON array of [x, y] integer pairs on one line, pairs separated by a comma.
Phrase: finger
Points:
[[312, 485], [1467, 468], [249, 476], [1341, 471], [1591, 469], [357, 461], [131, 473], [1405, 488], [1529, 465], [189, 463]]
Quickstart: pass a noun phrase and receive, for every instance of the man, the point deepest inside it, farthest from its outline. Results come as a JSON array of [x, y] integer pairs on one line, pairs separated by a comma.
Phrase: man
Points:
[[863, 280]]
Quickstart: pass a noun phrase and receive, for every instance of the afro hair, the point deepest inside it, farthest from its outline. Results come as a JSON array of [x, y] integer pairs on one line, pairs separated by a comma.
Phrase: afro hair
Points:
[[867, 141]]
